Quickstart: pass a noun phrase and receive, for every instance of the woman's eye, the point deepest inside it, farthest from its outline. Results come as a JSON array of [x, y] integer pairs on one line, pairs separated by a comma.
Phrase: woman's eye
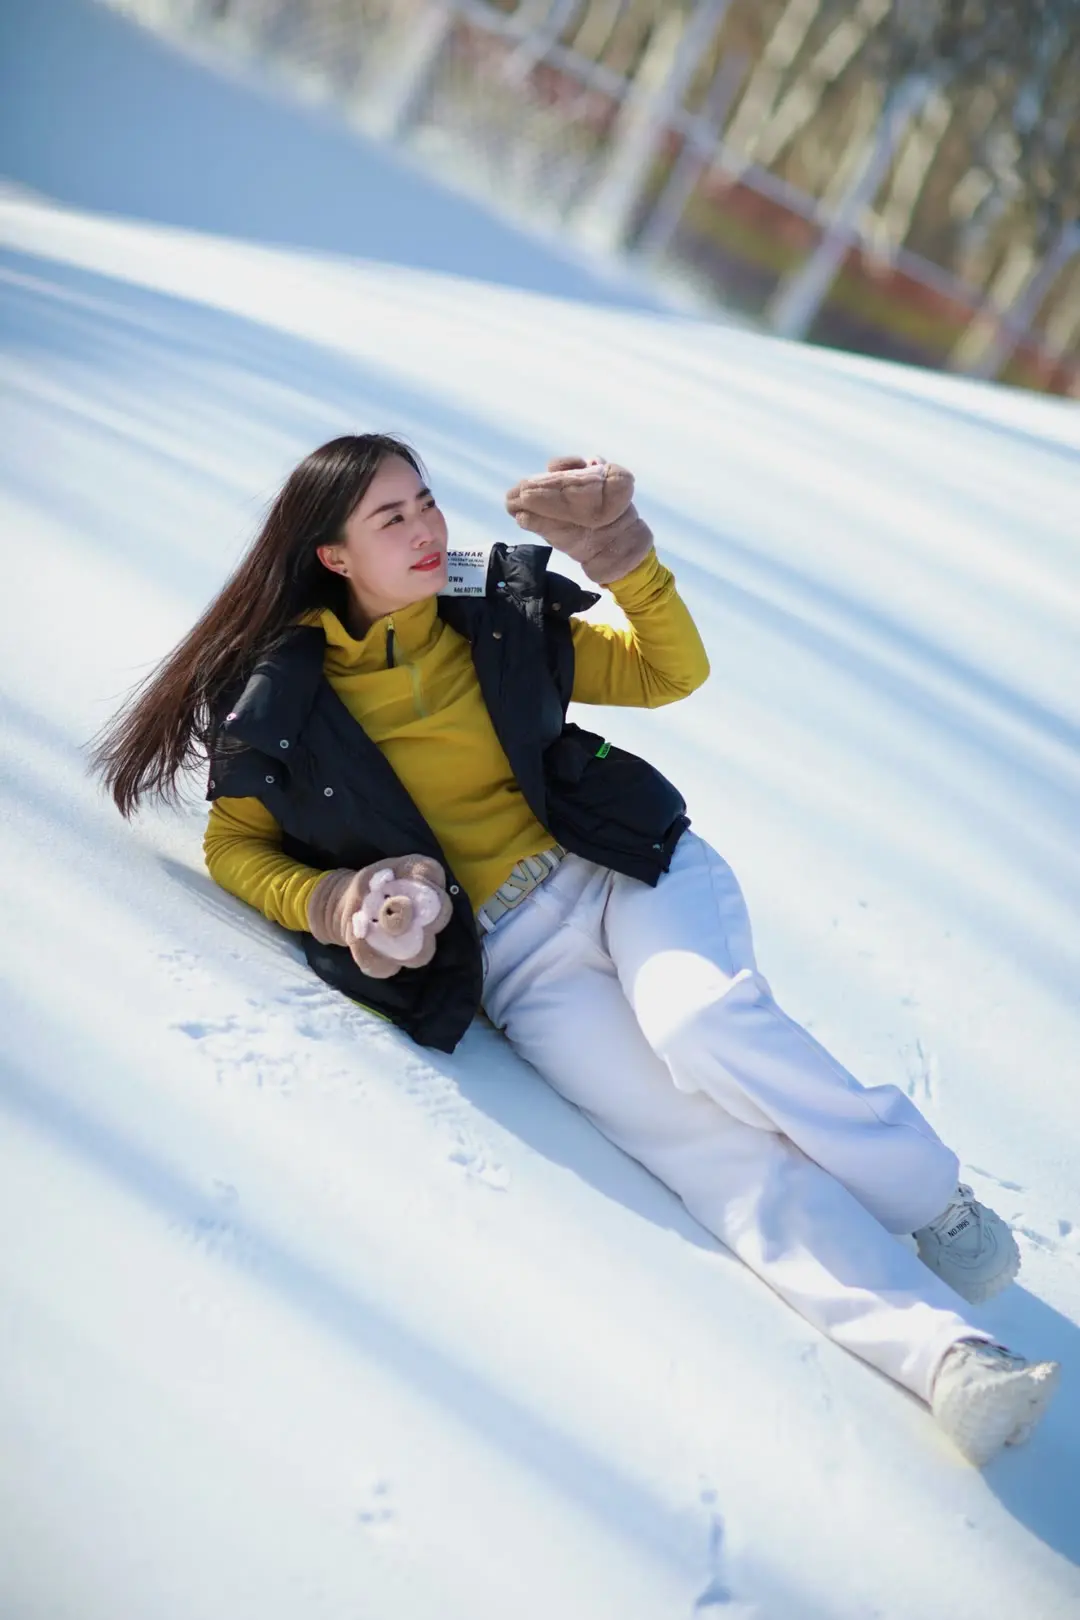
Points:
[[399, 517]]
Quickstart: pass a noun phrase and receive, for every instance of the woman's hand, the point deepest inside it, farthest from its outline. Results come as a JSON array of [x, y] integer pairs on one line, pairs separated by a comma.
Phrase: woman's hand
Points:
[[585, 509], [386, 914]]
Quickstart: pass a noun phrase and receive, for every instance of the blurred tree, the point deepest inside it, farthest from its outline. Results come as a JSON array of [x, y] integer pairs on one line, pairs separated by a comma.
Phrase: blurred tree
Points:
[[1022, 231], [849, 31], [669, 62], [937, 133]]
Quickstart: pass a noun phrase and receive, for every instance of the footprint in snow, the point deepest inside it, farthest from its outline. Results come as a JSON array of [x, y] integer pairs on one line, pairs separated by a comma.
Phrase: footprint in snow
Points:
[[474, 1159], [376, 1513], [810, 1358], [1066, 1235], [717, 1596], [922, 1074], [200, 1029], [1038, 1240], [211, 1230], [998, 1181], [244, 1052], [443, 1106], [214, 1230]]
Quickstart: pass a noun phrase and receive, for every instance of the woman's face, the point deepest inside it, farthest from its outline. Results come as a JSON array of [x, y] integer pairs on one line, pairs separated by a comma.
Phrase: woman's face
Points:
[[393, 547]]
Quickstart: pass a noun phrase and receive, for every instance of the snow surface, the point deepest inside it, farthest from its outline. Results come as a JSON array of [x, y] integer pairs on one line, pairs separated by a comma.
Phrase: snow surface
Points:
[[105, 116], [298, 1319]]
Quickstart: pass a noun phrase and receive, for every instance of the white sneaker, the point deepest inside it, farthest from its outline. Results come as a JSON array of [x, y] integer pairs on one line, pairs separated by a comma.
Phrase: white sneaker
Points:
[[986, 1397], [970, 1248]]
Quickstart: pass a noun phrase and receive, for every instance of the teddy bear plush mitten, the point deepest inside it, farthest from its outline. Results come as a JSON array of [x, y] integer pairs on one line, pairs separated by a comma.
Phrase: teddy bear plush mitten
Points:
[[585, 509], [387, 914]]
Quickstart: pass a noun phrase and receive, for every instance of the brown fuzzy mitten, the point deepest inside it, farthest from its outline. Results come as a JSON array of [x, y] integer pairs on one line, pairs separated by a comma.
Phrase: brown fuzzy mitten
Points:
[[585, 509], [387, 914]]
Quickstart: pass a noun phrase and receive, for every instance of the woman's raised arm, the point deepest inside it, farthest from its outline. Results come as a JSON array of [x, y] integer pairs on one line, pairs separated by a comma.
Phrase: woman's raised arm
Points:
[[658, 660]]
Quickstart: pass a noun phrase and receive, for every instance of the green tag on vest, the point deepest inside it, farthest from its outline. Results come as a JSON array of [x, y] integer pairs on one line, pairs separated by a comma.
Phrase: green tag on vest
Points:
[[603, 751]]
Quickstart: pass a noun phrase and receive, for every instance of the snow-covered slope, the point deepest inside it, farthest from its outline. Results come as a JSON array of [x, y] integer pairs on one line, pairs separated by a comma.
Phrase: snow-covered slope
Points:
[[297, 1319], [102, 115]]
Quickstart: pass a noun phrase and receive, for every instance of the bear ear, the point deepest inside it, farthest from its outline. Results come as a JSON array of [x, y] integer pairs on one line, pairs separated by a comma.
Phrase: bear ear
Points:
[[422, 869], [428, 904]]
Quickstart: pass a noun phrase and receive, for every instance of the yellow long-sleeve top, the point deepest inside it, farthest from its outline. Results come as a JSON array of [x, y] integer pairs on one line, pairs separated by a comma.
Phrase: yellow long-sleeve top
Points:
[[428, 716]]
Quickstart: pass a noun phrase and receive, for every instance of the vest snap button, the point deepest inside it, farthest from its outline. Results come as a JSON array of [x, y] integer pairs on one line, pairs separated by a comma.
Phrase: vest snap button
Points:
[[454, 889], [556, 607], [497, 634], [270, 779], [328, 793], [284, 743], [210, 784]]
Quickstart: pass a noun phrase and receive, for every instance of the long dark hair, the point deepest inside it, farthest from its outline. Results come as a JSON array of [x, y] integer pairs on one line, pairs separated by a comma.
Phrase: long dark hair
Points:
[[165, 724]]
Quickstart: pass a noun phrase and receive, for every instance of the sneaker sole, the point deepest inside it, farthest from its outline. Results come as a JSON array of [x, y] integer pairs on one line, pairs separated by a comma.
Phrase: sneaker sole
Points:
[[977, 1290], [1000, 1411]]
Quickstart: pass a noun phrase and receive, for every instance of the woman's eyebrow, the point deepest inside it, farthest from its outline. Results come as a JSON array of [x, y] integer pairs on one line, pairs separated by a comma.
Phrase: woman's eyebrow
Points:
[[392, 506]]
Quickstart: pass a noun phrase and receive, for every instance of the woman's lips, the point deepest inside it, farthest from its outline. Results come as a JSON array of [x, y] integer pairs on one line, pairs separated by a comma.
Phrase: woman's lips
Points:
[[429, 563]]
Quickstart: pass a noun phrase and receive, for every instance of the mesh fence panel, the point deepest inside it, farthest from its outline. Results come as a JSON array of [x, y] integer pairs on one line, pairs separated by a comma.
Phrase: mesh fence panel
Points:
[[532, 103]]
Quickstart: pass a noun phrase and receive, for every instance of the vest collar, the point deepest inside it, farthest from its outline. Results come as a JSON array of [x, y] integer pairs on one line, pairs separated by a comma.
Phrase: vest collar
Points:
[[519, 574], [271, 710]]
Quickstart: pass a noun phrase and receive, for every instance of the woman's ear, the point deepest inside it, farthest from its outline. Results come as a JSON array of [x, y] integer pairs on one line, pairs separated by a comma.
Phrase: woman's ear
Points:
[[330, 557]]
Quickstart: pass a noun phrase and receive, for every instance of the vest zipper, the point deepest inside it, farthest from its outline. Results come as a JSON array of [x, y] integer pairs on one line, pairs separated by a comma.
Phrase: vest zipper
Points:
[[390, 644]]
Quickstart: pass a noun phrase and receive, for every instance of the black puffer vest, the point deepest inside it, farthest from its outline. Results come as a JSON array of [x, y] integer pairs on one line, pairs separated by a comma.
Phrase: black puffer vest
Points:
[[287, 739]]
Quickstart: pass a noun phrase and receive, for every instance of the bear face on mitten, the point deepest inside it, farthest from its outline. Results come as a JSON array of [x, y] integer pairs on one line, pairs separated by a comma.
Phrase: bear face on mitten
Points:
[[386, 914], [397, 916]]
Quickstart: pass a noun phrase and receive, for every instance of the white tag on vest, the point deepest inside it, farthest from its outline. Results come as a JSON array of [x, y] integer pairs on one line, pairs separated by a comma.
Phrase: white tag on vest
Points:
[[467, 570]]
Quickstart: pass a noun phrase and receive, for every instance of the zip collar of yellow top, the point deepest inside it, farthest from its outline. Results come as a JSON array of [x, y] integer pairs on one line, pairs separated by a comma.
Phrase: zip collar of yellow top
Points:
[[407, 634], [399, 638]]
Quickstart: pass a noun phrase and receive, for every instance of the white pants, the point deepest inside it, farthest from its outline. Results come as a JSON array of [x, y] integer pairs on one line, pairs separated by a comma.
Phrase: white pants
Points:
[[644, 1007]]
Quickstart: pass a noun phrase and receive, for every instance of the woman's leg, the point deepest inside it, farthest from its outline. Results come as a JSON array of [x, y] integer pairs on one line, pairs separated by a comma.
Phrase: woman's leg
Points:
[[552, 987], [685, 959]]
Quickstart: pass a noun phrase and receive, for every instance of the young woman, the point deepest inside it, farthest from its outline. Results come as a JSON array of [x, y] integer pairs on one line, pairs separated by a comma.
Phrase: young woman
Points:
[[370, 722]]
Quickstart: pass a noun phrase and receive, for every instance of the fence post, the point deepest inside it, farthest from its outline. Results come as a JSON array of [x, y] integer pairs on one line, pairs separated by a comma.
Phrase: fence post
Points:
[[655, 94], [695, 158], [795, 305], [408, 69]]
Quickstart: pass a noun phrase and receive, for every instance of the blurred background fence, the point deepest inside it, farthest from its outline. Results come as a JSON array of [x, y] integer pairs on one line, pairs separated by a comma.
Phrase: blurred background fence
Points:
[[898, 177]]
